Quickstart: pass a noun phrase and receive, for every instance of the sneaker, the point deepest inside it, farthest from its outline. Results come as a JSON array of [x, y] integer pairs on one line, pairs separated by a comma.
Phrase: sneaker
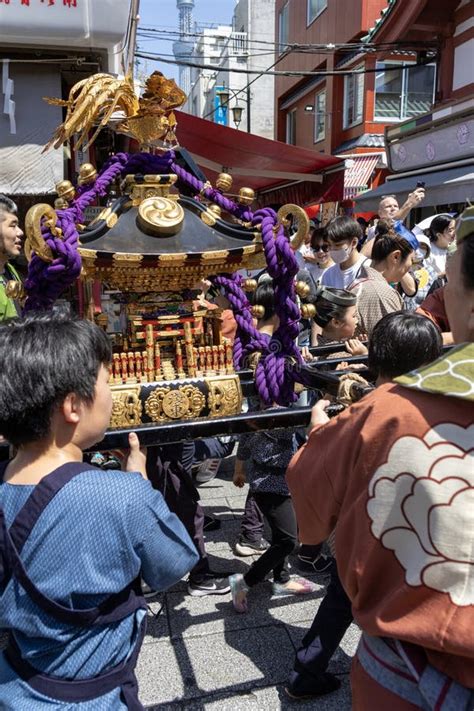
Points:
[[208, 585], [239, 590], [305, 587], [307, 687], [206, 470], [244, 547], [318, 564]]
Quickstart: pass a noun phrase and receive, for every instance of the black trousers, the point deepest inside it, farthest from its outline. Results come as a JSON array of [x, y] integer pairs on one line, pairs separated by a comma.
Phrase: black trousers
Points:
[[325, 634], [280, 514], [169, 471], [251, 523]]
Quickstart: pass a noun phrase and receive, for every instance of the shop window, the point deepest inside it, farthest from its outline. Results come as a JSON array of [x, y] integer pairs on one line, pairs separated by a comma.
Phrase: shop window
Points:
[[283, 28], [291, 127], [315, 8], [320, 116], [354, 97], [402, 90]]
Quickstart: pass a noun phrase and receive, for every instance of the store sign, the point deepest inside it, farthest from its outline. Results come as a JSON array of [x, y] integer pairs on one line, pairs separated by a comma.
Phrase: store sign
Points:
[[220, 112], [77, 23], [436, 146]]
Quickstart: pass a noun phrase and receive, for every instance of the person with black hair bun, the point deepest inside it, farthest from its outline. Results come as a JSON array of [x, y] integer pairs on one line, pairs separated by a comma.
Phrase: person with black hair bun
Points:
[[337, 318], [392, 257], [441, 233]]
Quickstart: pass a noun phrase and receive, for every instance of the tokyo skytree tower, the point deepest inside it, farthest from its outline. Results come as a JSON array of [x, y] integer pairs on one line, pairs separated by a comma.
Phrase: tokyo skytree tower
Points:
[[183, 48]]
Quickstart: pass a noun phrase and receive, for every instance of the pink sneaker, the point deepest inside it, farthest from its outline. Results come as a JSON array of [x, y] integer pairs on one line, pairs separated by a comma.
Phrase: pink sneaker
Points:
[[295, 586], [239, 590]]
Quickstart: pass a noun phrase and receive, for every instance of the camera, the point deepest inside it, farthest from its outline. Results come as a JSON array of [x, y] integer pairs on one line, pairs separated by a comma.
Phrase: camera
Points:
[[420, 184]]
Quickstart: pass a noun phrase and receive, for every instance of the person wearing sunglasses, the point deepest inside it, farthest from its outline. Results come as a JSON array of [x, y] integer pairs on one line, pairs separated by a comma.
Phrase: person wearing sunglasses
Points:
[[314, 256]]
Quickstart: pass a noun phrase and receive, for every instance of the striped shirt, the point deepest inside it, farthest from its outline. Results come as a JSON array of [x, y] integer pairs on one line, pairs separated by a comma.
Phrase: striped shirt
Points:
[[376, 298]]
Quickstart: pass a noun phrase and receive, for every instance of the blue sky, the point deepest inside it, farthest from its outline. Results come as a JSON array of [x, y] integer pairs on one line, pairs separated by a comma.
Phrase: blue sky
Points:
[[163, 14]]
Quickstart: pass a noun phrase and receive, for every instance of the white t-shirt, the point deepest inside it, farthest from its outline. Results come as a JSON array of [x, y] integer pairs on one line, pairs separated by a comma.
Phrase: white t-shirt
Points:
[[342, 278], [437, 259], [315, 270]]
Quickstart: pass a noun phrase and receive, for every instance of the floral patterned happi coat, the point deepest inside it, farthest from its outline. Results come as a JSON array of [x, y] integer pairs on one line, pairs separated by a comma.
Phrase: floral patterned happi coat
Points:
[[395, 474]]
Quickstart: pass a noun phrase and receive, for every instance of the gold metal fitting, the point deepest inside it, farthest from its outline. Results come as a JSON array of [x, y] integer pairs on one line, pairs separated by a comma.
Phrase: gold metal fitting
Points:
[[246, 196], [87, 174], [249, 284], [14, 289], [207, 186], [65, 189], [61, 204], [258, 311], [302, 289], [215, 209], [224, 181], [308, 310]]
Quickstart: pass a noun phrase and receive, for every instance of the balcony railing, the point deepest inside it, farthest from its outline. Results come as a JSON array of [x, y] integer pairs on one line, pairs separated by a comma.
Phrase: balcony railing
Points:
[[238, 45]]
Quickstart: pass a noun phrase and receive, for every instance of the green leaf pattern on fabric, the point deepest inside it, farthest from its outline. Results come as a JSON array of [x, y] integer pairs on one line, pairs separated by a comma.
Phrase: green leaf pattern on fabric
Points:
[[451, 375]]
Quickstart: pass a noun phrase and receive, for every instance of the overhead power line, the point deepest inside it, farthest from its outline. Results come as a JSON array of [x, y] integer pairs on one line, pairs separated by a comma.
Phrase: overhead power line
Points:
[[350, 46], [285, 73]]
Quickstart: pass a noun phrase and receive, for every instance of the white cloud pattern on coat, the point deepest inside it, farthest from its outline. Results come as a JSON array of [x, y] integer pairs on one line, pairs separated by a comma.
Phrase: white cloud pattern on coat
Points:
[[421, 504]]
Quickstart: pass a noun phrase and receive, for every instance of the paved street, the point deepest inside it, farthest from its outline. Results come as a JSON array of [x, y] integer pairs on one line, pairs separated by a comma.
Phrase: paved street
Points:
[[200, 654]]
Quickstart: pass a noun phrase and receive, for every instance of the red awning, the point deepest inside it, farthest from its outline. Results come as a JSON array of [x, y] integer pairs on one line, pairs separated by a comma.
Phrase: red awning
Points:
[[357, 177], [273, 169]]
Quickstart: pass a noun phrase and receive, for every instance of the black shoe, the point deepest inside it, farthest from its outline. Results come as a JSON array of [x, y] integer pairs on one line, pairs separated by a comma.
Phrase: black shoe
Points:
[[307, 687], [211, 524], [208, 585], [244, 547], [320, 564]]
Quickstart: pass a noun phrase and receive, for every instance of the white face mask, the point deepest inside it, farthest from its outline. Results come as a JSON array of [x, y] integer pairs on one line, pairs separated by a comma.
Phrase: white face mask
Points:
[[340, 255]]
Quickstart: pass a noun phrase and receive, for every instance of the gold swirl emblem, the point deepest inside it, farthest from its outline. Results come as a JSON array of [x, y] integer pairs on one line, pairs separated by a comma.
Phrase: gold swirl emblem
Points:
[[160, 216], [302, 221], [34, 239]]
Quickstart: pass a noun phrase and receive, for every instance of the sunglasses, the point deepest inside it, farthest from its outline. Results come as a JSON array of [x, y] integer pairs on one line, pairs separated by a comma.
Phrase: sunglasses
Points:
[[321, 248]]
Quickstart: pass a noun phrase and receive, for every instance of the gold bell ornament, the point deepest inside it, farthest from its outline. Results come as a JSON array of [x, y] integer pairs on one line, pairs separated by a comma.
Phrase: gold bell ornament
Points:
[[258, 311], [65, 189], [215, 209], [308, 310], [224, 182], [249, 284], [246, 196], [302, 289], [87, 174]]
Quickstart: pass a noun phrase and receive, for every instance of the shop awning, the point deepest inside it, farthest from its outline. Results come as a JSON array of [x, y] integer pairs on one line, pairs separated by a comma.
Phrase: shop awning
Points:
[[357, 177], [273, 169], [443, 187]]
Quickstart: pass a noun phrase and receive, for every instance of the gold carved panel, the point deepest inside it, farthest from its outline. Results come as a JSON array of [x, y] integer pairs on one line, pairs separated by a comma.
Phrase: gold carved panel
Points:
[[183, 403], [224, 396], [127, 407]]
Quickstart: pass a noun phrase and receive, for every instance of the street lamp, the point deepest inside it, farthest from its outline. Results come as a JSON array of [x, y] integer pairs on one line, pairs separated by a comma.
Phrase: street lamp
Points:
[[237, 115], [224, 97]]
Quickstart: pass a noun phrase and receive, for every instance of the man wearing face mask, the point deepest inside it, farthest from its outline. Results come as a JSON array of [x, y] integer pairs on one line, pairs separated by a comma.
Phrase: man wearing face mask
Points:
[[344, 234], [10, 247]]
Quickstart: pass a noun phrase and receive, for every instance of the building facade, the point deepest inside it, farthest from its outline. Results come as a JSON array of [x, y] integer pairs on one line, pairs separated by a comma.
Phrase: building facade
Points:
[[236, 99], [353, 94], [436, 147]]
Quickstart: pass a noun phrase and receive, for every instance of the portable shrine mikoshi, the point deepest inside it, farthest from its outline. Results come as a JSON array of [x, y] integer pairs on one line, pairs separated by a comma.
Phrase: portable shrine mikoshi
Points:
[[166, 229]]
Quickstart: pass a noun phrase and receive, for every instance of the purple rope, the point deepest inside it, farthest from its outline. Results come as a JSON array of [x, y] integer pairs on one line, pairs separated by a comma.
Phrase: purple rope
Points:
[[274, 375]]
